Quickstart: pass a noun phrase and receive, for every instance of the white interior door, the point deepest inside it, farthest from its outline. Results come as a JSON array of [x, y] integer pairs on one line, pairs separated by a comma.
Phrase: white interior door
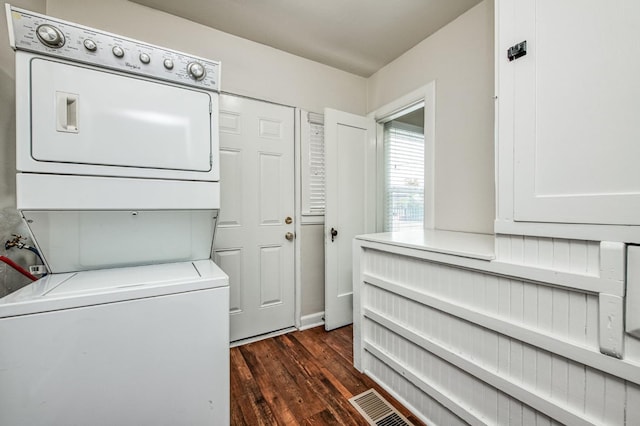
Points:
[[350, 205], [257, 197]]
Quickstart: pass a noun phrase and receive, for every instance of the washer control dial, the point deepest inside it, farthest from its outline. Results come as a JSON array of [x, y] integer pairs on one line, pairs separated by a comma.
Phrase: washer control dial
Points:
[[90, 45], [168, 64], [50, 36], [145, 58], [118, 51], [196, 70]]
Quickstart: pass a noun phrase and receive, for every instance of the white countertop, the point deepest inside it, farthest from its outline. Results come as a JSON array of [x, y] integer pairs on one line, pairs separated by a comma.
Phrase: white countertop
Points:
[[464, 244]]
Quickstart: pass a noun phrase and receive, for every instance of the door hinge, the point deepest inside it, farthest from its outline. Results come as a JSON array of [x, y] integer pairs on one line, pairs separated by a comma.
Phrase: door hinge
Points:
[[517, 50]]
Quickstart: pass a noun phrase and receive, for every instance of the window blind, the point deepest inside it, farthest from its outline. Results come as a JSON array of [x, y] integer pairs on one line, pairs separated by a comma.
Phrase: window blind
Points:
[[404, 176], [316, 165]]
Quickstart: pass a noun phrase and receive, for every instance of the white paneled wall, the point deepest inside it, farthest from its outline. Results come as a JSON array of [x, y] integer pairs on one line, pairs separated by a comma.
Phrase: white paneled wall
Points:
[[574, 256], [468, 341]]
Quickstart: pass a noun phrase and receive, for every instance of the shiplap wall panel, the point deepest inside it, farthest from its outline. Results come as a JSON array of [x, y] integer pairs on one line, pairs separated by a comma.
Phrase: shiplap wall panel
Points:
[[632, 347], [594, 403], [591, 331], [510, 362], [577, 315], [576, 386], [633, 407], [468, 356], [547, 308], [575, 256], [614, 404], [449, 380], [434, 412]]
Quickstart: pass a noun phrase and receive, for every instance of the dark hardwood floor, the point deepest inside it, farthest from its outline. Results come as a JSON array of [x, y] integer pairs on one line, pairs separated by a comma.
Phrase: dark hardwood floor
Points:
[[300, 378]]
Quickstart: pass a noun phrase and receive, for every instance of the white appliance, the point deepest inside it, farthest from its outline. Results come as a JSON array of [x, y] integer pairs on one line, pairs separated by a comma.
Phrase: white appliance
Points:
[[143, 345], [118, 182]]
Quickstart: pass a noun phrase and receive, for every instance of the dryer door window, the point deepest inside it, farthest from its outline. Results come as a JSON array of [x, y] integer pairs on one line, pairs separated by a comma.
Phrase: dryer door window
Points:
[[83, 116]]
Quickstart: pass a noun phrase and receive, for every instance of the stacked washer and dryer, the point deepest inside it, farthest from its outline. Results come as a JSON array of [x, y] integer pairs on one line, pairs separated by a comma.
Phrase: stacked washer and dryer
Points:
[[118, 183]]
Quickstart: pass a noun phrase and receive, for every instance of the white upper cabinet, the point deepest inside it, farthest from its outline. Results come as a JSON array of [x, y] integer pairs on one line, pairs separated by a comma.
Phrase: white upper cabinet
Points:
[[569, 112]]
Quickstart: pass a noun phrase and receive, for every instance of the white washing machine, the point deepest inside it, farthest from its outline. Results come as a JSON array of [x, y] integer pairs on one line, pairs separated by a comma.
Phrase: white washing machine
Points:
[[143, 345], [118, 183]]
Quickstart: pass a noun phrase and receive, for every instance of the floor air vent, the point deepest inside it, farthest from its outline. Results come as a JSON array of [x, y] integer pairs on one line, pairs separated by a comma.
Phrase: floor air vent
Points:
[[377, 411]]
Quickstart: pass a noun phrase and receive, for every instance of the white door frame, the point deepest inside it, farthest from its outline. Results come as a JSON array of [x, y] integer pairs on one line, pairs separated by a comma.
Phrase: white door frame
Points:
[[297, 173], [424, 96]]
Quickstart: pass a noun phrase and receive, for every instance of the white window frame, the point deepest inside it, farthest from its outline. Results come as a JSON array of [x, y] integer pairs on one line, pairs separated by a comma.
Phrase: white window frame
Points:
[[422, 97]]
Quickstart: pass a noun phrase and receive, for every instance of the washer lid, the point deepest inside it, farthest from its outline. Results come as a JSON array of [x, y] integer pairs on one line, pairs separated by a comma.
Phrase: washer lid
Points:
[[73, 290]]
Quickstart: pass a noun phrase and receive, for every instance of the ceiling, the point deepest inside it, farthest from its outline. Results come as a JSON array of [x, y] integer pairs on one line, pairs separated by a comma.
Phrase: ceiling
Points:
[[358, 36]]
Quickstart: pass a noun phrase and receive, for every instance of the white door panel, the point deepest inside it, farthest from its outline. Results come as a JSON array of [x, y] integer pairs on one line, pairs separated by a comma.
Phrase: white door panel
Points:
[[257, 195], [231, 168], [84, 116], [350, 205], [230, 261]]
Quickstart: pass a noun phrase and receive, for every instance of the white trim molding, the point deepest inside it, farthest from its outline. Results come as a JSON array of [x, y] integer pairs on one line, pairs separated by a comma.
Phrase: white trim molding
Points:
[[311, 321]]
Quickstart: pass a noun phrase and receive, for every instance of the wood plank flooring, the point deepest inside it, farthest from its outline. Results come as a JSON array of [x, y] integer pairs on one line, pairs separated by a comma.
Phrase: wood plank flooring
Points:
[[300, 378]]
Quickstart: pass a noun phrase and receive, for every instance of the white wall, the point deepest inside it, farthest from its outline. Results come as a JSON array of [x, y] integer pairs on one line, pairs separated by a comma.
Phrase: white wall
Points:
[[312, 269], [10, 222], [459, 58], [248, 68]]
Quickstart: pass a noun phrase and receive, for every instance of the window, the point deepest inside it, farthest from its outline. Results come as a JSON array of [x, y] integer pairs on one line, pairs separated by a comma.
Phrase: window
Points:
[[313, 167], [404, 173]]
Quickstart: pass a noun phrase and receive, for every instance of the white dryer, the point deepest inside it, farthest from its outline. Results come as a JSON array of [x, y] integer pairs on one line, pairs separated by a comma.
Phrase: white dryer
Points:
[[117, 146], [118, 183]]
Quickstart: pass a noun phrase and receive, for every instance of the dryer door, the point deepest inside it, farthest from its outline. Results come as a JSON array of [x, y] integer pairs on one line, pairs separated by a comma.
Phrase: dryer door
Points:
[[113, 124]]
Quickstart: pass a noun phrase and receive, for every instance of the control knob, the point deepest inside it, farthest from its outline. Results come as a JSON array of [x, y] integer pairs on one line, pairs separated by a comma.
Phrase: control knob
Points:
[[196, 70], [50, 36], [118, 51], [168, 64], [145, 58], [90, 45]]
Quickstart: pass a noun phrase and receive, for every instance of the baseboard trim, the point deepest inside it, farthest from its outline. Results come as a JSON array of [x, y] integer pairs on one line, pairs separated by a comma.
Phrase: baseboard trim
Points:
[[261, 337], [311, 320]]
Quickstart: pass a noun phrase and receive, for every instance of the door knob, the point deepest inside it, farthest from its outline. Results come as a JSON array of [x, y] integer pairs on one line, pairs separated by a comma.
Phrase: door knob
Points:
[[288, 220], [289, 236], [334, 233]]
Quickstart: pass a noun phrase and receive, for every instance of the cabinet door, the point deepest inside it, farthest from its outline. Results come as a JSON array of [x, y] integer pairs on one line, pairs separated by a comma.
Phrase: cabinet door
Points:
[[576, 110]]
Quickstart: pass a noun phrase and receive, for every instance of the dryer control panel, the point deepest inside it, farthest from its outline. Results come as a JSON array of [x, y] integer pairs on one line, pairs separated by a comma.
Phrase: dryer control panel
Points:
[[49, 36]]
